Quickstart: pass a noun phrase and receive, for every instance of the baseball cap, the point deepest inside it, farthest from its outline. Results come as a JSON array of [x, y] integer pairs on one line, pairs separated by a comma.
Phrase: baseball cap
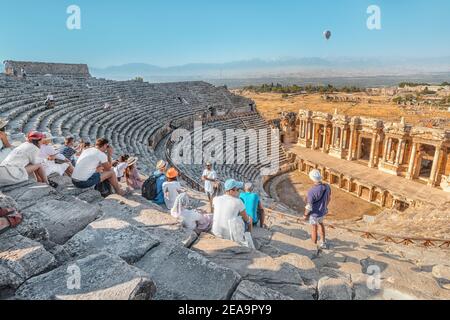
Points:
[[35, 135], [233, 184]]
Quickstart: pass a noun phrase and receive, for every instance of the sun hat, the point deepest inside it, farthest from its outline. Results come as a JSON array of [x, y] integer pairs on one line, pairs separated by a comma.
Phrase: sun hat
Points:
[[161, 164], [233, 184], [172, 173], [3, 123], [35, 135], [315, 175], [131, 161], [47, 136]]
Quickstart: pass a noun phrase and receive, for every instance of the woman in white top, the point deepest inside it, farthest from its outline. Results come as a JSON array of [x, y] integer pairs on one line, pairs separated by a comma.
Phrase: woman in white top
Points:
[[49, 155], [5, 146], [171, 188], [23, 161], [191, 219]]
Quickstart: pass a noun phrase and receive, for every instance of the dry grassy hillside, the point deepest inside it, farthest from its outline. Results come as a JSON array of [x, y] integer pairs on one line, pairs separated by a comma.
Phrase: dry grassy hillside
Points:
[[270, 104]]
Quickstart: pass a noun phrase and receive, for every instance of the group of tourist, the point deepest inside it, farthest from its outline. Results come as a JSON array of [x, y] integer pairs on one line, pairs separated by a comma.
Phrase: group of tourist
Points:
[[168, 192], [89, 166], [240, 201]]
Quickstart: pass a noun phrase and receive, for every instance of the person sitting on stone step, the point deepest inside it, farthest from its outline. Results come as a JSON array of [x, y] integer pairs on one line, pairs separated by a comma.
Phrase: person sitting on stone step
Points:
[[317, 201], [94, 166], [171, 188], [52, 161], [67, 150], [132, 175], [9, 218], [160, 175], [5, 146], [228, 207], [24, 161], [190, 218], [253, 205], [50, 101], [120, 165]]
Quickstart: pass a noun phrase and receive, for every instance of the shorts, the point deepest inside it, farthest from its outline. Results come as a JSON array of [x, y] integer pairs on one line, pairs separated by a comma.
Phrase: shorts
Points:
[[315, 220], [94, 180]]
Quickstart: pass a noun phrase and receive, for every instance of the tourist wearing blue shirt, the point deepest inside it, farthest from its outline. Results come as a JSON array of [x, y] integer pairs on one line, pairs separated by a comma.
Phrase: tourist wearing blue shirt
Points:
[[253, 205], [160, 175], [316, 209]]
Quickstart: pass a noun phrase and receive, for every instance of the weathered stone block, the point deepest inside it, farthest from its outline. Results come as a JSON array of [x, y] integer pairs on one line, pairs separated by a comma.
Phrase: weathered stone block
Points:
[[254, 266], [61, 218], [20, 259], [102, 277], [112, 235], [334, 289], [187, 274], [248, 290]]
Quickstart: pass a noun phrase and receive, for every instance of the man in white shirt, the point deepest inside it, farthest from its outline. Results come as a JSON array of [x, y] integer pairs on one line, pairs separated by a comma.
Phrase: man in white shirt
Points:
[[228, 207], [94, 166], [209, 176], [50, 101], [24, 161]]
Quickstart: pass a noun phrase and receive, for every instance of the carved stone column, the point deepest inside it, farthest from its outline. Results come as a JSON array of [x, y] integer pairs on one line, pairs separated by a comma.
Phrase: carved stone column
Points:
[[350, 145], [412, 161], [372, 150], [434, 168]]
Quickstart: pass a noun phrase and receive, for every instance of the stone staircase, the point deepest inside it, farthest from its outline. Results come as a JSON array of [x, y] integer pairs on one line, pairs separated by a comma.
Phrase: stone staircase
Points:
[[128, 248]]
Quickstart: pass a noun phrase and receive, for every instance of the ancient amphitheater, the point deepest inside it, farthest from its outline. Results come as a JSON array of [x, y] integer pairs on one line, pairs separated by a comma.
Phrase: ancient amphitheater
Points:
[[128, 248]]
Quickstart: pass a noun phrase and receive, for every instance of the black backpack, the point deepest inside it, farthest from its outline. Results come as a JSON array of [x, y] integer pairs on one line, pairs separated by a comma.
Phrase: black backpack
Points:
[[149, 188], [104, 188]]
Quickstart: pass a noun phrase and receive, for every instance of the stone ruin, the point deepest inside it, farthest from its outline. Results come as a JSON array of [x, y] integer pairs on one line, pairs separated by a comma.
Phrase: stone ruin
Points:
[[42, 68], [128, 248], [416, 153]]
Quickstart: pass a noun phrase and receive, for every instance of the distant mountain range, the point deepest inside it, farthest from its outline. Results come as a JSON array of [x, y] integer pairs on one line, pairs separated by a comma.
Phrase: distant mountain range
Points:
[[312, 67]]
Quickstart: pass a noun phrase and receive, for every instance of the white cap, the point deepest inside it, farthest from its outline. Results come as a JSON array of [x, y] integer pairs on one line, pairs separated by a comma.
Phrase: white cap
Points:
[[315, 175]]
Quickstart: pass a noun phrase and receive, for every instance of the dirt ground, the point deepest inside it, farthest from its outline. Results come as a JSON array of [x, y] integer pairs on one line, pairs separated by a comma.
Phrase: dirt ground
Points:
[[343, 206], [271, 104]]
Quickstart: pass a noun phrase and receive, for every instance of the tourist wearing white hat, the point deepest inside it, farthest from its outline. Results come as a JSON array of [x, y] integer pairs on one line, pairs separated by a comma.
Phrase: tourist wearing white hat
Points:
[[132, 175], [5, 146], [52, 160], [316, 208]]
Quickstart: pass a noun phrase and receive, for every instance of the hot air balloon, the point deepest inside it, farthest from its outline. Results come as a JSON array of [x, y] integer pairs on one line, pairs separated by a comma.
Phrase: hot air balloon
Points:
[[327, 34]]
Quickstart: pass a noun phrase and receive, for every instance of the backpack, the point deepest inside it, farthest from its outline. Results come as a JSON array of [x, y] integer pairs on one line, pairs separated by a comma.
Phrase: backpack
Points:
[[104, 188], [149, 188]]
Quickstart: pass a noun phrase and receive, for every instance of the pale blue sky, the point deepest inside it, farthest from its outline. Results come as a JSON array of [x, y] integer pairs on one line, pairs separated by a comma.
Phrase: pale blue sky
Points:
[[174, 32]]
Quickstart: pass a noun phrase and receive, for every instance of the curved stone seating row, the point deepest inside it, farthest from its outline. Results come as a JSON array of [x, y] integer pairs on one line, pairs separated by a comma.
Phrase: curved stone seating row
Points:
[[138, 110]]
